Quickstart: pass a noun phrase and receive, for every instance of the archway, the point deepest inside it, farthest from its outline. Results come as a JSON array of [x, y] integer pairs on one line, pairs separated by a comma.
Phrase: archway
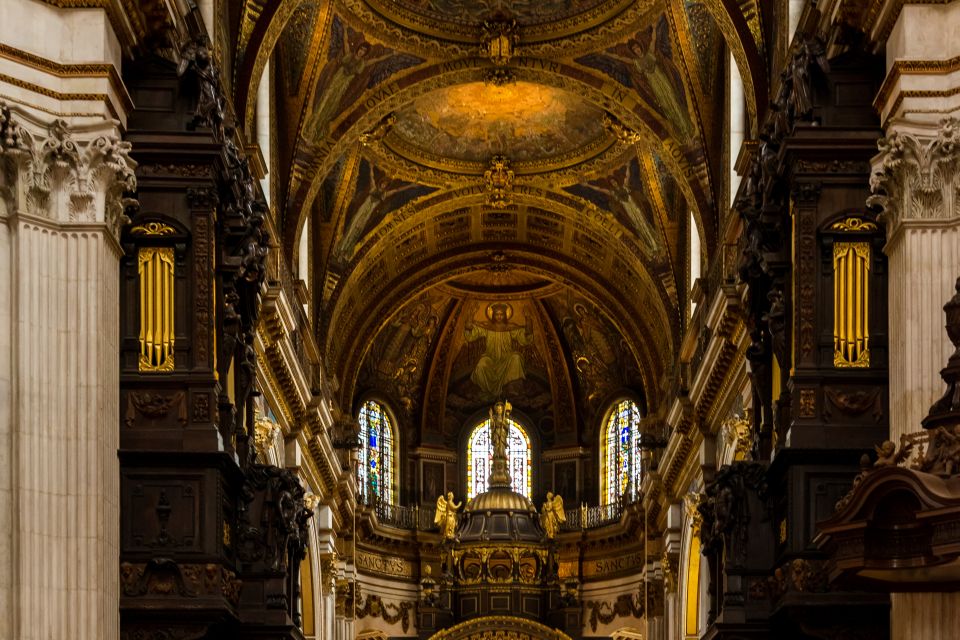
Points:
[[500, 627]]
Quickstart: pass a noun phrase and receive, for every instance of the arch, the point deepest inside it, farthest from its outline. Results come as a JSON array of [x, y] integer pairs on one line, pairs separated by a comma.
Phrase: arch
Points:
[[510, 626], [379, 465], [480, 452], [747, 52], [625, 106], [692, 585], [265, 22], [380, 298], [620, 468]]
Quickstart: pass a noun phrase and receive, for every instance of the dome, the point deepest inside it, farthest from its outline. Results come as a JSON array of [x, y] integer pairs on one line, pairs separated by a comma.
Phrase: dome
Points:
[[500, 514]]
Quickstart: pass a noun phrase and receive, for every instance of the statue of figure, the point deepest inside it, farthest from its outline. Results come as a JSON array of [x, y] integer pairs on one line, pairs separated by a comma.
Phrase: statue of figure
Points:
[[499, 430], [552, 515], [500, 362], [447, 516]]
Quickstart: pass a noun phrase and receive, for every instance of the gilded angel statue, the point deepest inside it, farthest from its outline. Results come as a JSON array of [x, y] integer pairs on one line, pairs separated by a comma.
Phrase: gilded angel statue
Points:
[[552, 515], [447, 515]]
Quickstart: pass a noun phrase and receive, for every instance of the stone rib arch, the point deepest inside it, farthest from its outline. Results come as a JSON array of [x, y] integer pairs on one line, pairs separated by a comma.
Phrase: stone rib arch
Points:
[[543, 220], [746, 51], [625, 105], [500, 628], [362, 316]]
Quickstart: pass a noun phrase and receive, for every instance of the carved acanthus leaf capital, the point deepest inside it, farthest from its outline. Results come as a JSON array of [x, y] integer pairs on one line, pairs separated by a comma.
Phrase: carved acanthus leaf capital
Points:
[[915, 177], [52, 172]]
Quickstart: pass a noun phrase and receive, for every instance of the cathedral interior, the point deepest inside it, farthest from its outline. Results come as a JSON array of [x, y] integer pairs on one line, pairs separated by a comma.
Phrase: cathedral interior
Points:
[[479, 319]]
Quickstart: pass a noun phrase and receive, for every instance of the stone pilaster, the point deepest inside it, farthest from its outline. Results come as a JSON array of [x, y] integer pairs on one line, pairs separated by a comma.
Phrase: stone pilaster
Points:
[[61, 204], [916, 177], [915, 182]]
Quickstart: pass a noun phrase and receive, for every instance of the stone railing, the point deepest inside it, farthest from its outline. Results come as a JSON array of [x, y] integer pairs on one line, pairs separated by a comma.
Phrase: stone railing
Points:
[[599, 515], [419, 518]]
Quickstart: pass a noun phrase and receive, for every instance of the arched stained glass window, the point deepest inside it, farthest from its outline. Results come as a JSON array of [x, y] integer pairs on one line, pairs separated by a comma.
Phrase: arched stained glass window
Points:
[[377, 473], [620, 455], [480, 457]]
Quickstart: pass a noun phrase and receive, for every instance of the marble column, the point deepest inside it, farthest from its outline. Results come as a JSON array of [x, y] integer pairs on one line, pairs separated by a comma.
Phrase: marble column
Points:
[[915, 182], [63, 173], [62, 203], [61, 207]]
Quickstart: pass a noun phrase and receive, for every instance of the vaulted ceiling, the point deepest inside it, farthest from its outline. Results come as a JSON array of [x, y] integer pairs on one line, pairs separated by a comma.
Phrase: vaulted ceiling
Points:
[[453, 155]]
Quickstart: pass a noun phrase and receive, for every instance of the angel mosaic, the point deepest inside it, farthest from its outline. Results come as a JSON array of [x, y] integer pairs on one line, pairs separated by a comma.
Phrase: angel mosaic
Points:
[[646, 63], [376, 192], [353, 66], [622, 194]]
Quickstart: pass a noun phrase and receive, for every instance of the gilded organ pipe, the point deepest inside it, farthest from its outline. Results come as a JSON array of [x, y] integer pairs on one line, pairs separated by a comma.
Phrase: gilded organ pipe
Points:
[[851, 277], [156, 309]]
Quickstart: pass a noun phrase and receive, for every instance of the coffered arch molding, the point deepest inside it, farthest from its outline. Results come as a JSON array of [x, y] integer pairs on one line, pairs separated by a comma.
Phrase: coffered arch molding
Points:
[[510, 626], [359, 321], [624, 104], [574, 213], [746, 51], [622, 269], [567, 37]]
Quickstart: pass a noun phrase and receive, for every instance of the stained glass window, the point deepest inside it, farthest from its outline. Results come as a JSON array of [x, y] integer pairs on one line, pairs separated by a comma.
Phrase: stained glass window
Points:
[[376, 474], [480, 456], [620, 455]]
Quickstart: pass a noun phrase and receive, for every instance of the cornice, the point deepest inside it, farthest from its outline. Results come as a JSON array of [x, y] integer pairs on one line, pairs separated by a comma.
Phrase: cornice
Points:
[[62, 70], [904, 67]]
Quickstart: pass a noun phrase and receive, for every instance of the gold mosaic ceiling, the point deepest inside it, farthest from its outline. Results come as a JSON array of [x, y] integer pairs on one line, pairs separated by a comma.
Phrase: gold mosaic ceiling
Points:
[[470, 151], [464, 126]]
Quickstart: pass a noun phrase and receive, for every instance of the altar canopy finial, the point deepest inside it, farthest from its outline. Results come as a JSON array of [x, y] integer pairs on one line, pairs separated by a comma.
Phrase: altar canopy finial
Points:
[[499, 432]]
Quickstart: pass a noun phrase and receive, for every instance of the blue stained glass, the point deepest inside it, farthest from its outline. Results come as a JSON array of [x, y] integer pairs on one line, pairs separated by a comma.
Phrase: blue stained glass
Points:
[[377, 461], [620, 456]]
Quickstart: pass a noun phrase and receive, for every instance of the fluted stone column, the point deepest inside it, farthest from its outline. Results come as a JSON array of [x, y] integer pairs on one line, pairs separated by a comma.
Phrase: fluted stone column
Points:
[[61, 208], [63, 172], [915, 180]]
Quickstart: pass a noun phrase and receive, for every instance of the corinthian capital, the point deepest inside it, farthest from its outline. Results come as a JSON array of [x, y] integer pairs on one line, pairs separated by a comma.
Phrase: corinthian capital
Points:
[[915, 177], [65, 174]]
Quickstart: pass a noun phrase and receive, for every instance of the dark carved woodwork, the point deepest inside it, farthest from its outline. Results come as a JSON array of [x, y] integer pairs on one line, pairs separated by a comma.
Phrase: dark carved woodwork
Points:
[[812, 419], [898, 527], [211, 542]]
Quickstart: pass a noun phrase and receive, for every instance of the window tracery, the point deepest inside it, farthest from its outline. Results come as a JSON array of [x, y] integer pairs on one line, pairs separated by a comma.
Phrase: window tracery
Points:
[[377, 471], [480, 456], [619, 452]]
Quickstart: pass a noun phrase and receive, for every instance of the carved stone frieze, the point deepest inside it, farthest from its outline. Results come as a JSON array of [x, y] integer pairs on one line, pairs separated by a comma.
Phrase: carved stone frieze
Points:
[[915, 178], [623, 606], [375, 607]]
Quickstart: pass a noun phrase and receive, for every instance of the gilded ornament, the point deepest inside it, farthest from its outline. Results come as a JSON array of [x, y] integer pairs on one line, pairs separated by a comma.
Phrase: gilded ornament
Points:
[[691, 504], [552, 515], [446, 516], [623, 134], [853, 224], [311, 501], [152, 229], [499, 182], [265, 433]]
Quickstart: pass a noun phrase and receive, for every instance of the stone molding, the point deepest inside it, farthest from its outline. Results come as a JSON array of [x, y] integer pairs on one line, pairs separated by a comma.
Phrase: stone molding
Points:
[[915, 177], [62, 173]]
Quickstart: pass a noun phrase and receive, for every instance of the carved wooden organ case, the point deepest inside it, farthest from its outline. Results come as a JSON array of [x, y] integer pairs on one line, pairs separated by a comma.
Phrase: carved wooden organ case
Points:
[[211, 541]]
